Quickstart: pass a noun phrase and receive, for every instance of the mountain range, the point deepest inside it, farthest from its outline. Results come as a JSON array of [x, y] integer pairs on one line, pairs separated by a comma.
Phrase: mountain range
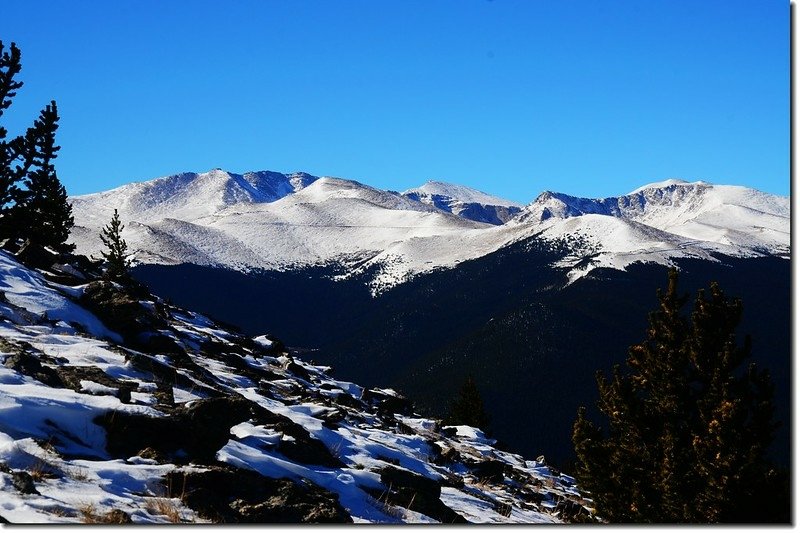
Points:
[[418, 290], [274, 221]]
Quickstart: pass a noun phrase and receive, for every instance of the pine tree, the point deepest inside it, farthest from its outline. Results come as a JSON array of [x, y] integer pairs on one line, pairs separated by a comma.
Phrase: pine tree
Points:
[[468, 407], [33, 203], [687, 427], [42, 209], [10, 172], [116, 257]]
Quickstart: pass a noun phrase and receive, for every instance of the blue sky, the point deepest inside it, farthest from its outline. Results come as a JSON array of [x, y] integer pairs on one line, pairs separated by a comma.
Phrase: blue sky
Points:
[[586, 97]]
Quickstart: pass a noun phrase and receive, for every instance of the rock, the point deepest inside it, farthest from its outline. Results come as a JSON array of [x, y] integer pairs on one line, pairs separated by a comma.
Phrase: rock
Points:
[[199, 430], [117, 517], [35, 256], [158, 343], [571, 511], [28, 364], [298, 370], [416, 493], [72, 376], [347, 400], [490, 470], [226, 494], [23, 482], [303, 447], [202, 428], [450, 431], [121, 312], [387, 404], [446, 456], [151, 453]]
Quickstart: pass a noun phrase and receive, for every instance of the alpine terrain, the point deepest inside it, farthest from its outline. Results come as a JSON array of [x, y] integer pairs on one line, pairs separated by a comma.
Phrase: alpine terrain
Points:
[[419, 290], [118, 407]]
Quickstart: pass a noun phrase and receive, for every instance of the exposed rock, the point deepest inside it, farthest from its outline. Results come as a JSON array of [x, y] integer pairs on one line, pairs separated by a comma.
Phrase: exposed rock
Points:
[[28, 364], [36, 256], [72, 376], [387, 404], [302, 447], [417, 493], [490, 470], [117, 517], [225, 494], [571, 511], [23, 482], [198, 430], [298, 370], [121, 312]]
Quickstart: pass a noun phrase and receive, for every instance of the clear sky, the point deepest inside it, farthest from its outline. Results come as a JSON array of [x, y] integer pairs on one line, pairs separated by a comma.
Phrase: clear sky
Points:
[[586, 97]]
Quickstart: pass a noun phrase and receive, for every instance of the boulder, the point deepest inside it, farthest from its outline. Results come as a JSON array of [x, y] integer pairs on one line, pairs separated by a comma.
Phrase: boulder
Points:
[[122, 312], [23, 482], [198, 430], [416, 493], [387, 404], [28, 364], [232, 495], [491, 470]]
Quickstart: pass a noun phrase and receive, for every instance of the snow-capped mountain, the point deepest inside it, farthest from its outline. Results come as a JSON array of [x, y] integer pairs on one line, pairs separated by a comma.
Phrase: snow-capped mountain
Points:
[[465, 202], [724, 214], [267, 220], [116, 407]]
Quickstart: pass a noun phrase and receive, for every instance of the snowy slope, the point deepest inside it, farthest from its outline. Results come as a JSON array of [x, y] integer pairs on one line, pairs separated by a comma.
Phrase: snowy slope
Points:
[[328, 221], [103, 426], [465, 202], [723, 214], [189, 196], [267, 220]]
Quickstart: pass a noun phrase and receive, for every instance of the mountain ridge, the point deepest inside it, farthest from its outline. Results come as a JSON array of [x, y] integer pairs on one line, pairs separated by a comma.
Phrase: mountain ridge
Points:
[[277, 221]]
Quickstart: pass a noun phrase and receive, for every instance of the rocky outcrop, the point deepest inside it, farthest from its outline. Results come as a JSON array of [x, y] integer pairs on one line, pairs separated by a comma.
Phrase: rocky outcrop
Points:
[[230, 495]]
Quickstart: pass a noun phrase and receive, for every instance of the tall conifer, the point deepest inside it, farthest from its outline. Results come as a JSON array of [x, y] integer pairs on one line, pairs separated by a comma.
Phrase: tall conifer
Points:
[[468, 408], [116, 256], [687, 427], [42, 208], [10, 173]]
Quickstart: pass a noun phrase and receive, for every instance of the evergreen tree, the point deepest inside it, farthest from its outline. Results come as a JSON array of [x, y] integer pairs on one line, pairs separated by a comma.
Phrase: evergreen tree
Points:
[[116, 257], [468, 407], [42, 210], [33, 203], [687, 427], [10, 173]]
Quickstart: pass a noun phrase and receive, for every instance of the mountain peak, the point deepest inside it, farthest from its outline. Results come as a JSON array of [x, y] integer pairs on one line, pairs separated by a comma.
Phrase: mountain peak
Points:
[[671, 182], [464, 201], [458, 193]]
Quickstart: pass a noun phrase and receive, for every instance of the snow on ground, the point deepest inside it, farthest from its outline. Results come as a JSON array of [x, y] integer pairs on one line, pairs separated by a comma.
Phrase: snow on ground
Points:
[[459, 193], [55, 463]]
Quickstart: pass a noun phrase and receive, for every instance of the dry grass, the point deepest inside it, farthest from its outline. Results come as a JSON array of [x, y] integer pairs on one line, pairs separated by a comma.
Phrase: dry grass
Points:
[[60, 511], [89, 515], [41, 469], [165, 507], [77, 473]]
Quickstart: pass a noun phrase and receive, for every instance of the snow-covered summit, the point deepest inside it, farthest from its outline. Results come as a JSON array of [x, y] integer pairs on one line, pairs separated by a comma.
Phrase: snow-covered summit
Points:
[[667, 183], [459, 193], [465, 202], [190, 195], [722, 214], [269, 220]]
